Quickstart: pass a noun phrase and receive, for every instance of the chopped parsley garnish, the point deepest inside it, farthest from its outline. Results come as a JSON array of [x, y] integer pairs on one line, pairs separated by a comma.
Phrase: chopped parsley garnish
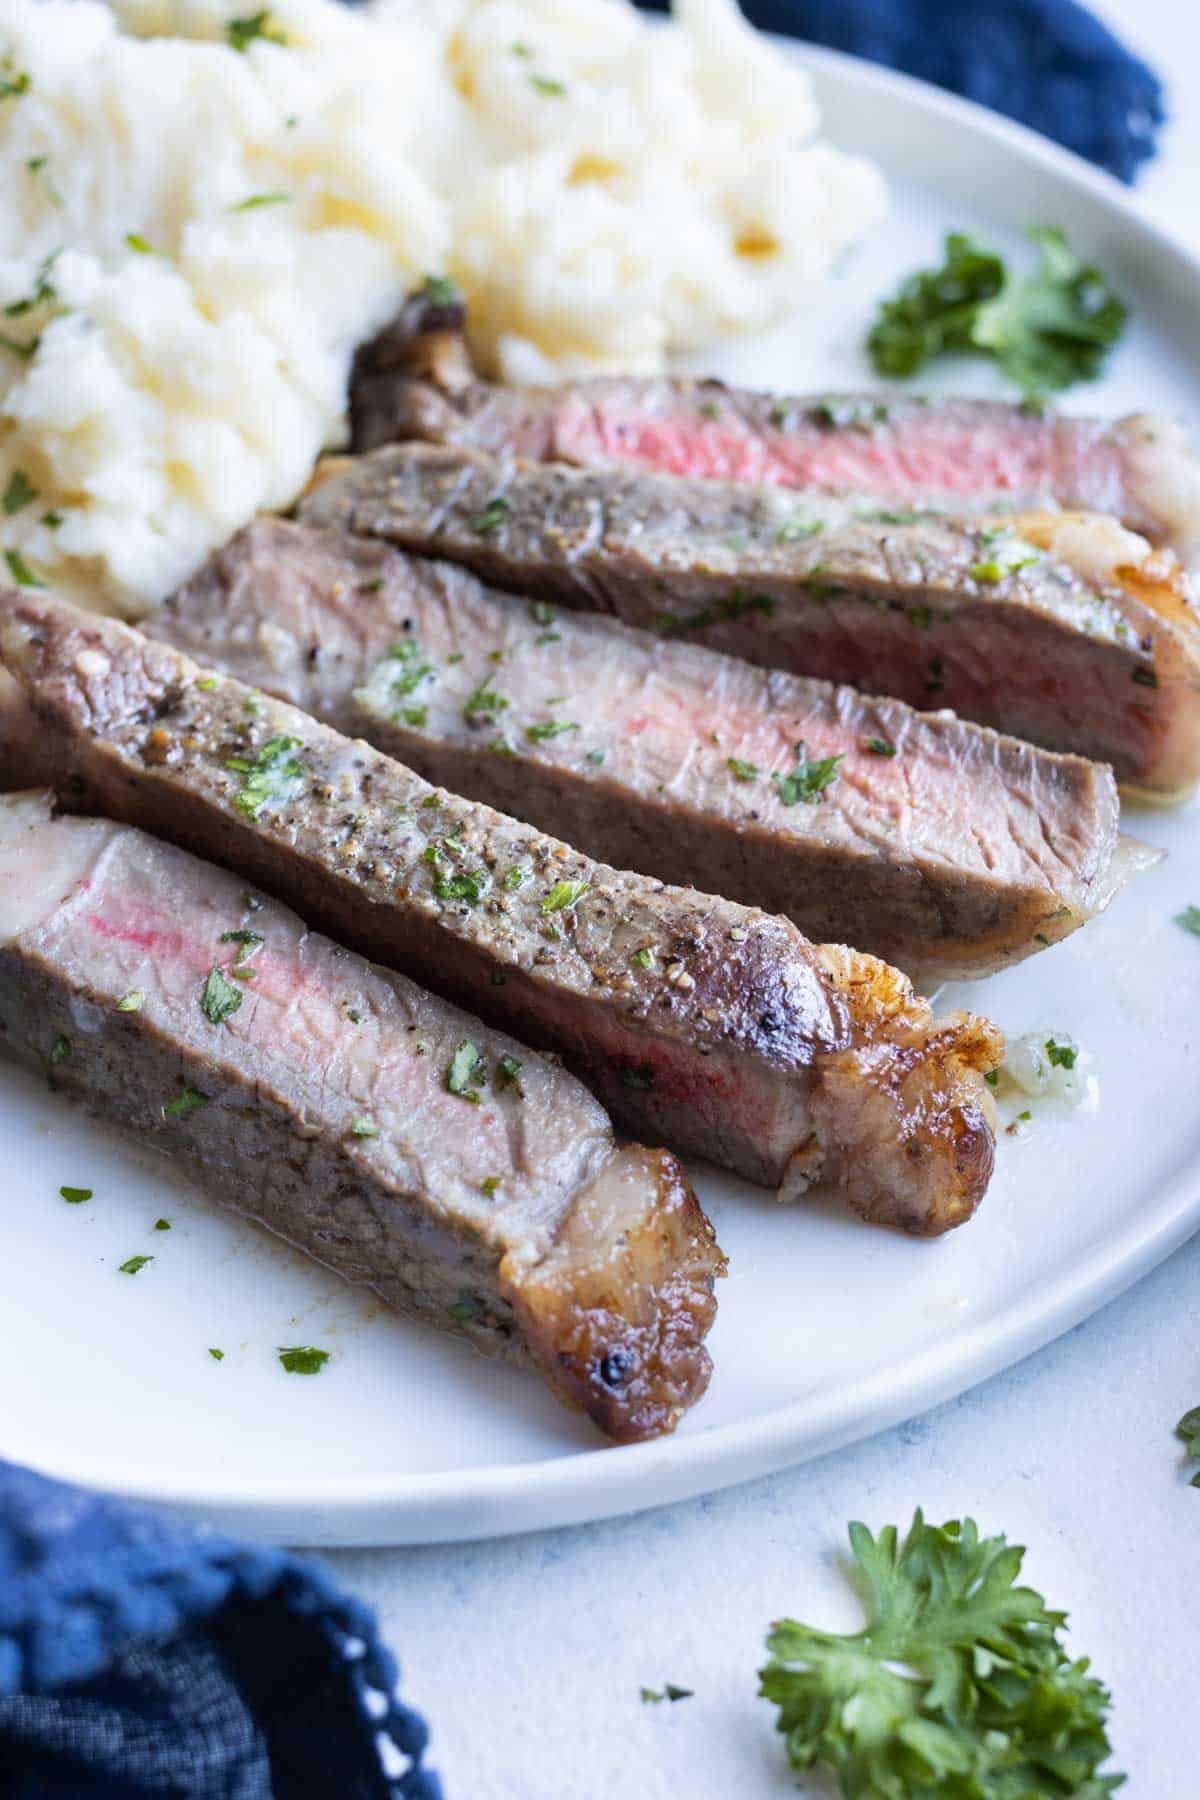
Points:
[[413, 668], [219, 999], [273, 775], [19, 492], [595, 757], [52, 519], [250, 941], [1188, 1430], [668, 1691], [133, 1001], [1023, 1118], [1047, 329], [1189, 918], [638, 1075], [1143, 677], [564, 895], [489, 1185], [797, 530], [540, 613], [466, 1068], [742, 771], [23, 575], [162, 1224], [134, 1264], [508, 1073], [440, 290], [13, 81], [551, 728], [187, 1100], [484, 703], [43, 290], [217, 1355], [957, 1685], [546, 84], [413, 715], [465, 1308], [137, 242], [303, 1359], [878, 747], [253, 202], [517, 876], [493, 515], [364, 1128], [76, 1196], [993, 1078], [470, 885], [1061, 1056], [808, 780], [241, 33], [643, 958], [60, 1049], [920, 616], [252, 903], [741, 603], [849, 414]]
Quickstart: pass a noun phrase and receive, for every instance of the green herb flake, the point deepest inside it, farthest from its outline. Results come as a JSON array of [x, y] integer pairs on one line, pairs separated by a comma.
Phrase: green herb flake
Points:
[[742, 771], [920, 616], [364, 1128], [273, 776], [131, 1002], [253, 202], [187, 1100], [217, 1355], [219, 999], [651, 1696], [162, 1224], [251, 941], [550, 728], [19, 492], [466, 1068], [1061, 1056], [1023, 1118], [958, 1684], [718, 613], [564, 895], [471, 885], [21, 572], [540, 613], [797, 531], [138, 243], [508, 1074], [134, 1264], [493, 516], [643, 958], [75, 1196], [1188, 1430], [484, 703], [254, 27], [875, 746], [13, 81], [1189, 918], [303, 1359], [517, 876], [52, 519], [465, 1308], [439, 290], [1047, 329], [808, 780], [1144, 677], [60, 1049], [993, 1078], [489, 1185], [639, 1076], [546, 84], [43, 291]]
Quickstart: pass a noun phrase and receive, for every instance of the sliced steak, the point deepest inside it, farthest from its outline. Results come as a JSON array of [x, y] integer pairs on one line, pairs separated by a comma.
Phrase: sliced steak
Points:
[[415, 381], [708, 1024], [310, 1090], [1066, 631], [937, 844]]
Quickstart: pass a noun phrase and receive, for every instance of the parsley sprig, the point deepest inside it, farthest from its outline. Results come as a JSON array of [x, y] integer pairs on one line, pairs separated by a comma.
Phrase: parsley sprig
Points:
[[957, 1688], [1047, 329]]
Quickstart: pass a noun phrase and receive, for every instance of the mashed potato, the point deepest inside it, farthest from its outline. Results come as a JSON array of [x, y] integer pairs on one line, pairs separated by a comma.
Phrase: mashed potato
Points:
[[207, 206]]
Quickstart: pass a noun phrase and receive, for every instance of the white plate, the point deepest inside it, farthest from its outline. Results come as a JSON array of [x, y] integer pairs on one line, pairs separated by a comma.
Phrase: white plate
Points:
[[827, 1330]]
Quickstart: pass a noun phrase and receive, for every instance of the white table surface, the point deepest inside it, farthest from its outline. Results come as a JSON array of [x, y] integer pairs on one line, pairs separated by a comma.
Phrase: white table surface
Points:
[[527, 1654]]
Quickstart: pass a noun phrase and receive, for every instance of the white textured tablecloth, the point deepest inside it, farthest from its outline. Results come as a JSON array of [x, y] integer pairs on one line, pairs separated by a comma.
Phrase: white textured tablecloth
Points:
[[527, 1654]]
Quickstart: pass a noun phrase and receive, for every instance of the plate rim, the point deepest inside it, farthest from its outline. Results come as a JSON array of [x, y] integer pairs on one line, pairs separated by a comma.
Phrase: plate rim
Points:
[[578, 1486]]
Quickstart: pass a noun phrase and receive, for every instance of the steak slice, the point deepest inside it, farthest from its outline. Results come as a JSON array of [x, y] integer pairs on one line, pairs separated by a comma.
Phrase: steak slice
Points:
[[1066, 631], [415, 380], [938, 845], [708, 1024], [312, 1094]]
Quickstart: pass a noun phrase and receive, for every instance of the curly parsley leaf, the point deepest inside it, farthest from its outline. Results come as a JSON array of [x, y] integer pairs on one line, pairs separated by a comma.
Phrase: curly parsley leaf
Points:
[[957, 1688], [1047, 329]]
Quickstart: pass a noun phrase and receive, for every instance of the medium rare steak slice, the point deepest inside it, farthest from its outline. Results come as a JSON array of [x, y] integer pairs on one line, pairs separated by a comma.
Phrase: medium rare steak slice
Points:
[[704, 1023], [935, 844], [415, 380], [1066, 631], [464, 1178]]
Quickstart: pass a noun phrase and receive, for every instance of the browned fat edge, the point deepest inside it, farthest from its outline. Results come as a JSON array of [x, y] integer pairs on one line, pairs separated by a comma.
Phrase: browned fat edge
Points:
[[622, 1336]]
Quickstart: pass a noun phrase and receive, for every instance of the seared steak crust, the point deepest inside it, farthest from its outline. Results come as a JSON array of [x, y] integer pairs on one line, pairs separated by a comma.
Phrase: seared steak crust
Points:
[[939, 845], [708, 1024], [1068, 632], [317, 1103]]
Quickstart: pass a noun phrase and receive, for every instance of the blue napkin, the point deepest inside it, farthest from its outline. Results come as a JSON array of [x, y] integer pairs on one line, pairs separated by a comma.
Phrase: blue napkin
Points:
[[1048, 63], [140, 1657]]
